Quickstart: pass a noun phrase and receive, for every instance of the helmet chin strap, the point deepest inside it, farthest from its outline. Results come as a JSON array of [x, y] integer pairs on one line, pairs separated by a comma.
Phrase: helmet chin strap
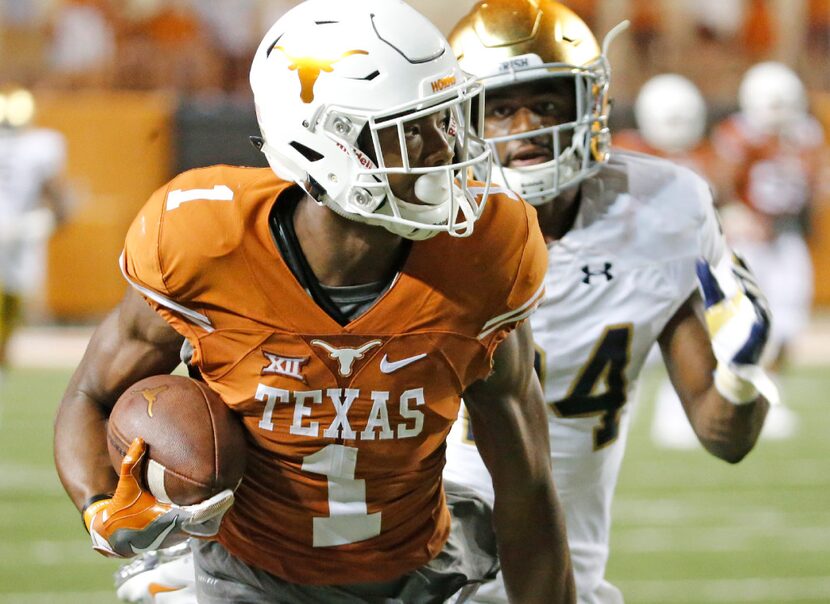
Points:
[[537, 184]]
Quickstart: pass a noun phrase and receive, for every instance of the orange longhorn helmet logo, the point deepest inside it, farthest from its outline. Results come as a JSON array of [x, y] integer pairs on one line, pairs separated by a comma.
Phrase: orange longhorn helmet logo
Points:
[[310, 68]]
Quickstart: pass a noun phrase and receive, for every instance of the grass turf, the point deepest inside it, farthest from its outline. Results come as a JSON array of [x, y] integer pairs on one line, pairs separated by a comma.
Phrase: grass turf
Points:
[[688, 529]]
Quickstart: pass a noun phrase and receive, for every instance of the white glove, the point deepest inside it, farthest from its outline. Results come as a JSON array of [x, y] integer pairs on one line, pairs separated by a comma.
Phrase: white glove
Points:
[[738, 319]]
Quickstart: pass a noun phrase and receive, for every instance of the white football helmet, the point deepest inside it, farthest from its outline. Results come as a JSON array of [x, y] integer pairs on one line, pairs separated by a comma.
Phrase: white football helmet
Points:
[[330, 76], [671, 113], [504, 42], [17, 107], [772, 97]]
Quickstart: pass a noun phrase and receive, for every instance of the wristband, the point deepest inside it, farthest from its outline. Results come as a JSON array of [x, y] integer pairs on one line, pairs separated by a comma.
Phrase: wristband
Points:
[[91, 507], [733, 388]]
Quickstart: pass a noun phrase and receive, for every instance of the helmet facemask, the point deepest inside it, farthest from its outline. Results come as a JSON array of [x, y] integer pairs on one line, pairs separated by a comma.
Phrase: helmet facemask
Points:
[[575, 134], [414, 197]]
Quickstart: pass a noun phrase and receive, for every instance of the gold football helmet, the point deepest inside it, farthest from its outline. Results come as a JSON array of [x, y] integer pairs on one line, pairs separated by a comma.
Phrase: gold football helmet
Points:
[[506, 42]]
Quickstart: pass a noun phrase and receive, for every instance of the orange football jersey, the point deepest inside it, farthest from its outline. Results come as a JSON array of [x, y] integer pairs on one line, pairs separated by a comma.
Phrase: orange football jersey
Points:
[[774, 175], [346, 424]]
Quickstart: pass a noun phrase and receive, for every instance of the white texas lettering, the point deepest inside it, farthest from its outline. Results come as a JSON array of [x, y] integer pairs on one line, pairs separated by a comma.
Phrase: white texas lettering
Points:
[[378, 425], [340, 428]]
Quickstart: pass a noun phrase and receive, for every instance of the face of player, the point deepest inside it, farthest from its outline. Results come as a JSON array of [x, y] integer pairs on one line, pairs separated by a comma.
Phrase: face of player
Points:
[[526, 107], [430, 142]]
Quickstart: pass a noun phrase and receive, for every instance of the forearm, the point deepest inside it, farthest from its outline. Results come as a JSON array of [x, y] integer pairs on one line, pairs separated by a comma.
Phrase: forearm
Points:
[[119, 354], [533, 546], [81, 455], [728, 431]]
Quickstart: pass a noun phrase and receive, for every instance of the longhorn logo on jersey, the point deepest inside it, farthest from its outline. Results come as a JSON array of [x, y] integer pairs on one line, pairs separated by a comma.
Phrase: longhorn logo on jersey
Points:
[[346, 357], [310, 68]]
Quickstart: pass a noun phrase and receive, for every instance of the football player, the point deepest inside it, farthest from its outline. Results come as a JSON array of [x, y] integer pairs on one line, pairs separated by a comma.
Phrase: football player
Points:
[[32, 199], [629, 238], [339, 304], [773, 148], [671, 122]]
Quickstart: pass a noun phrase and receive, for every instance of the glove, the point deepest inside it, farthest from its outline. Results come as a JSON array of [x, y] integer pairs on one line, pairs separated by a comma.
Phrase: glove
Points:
[[133, 521], [738, 320]]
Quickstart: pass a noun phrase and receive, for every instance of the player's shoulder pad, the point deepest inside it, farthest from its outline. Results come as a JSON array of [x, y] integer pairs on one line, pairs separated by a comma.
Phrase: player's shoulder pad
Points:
[[664, 188], [671, 207], [501, 266], [199, 215]]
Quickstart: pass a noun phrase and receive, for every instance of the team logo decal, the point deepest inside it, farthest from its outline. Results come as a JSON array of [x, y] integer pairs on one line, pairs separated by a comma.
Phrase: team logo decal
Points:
[[310, 68], [288, 366], [606, 271], [346, 357], [151, 396]]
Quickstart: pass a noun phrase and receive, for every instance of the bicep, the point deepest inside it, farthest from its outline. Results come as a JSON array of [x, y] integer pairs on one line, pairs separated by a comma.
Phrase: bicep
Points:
[[507, 411], [687, 350], [132, 343]]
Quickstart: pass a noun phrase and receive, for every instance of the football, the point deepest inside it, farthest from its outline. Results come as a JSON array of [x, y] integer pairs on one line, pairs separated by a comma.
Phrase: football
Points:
[[195, 443]]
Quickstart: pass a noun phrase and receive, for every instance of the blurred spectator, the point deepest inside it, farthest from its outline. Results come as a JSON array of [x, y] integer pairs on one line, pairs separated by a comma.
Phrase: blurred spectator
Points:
[[32, 201], [758, 33], [818, 42], [233, 31], [164, 45], [646, 19], [83, 44], [773, 150], [719, 20], [586, 9]]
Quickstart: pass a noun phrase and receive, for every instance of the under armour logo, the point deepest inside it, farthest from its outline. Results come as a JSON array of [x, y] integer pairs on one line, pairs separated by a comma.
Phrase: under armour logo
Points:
[[310, 68], [589, 273], [346, 357], [288, 366], [151, 395]]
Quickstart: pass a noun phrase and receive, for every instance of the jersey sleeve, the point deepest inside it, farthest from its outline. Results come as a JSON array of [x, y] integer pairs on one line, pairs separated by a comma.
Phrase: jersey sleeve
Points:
[[526, 280], [142, 266], [172, 247], [712, 243]]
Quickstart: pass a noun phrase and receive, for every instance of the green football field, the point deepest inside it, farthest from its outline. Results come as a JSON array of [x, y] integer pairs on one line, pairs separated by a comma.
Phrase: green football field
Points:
[[688, 528]]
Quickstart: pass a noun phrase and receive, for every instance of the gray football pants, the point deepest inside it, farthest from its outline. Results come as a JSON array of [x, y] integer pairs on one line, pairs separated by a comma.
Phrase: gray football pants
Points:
[[468, 558]]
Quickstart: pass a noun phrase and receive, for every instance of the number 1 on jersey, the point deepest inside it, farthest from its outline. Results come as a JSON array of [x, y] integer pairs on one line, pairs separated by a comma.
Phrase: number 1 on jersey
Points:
[[348, 520]]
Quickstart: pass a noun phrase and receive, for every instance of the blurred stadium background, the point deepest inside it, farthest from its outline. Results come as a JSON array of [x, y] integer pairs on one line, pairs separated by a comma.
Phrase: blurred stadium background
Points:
[[142, 89]]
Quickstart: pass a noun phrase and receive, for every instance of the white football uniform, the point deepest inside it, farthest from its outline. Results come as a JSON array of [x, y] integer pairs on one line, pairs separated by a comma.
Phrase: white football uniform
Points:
[[28, 159], [613, 282]]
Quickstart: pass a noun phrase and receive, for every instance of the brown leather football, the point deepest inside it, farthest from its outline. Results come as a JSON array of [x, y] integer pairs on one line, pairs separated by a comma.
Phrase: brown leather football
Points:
[[195, 443]]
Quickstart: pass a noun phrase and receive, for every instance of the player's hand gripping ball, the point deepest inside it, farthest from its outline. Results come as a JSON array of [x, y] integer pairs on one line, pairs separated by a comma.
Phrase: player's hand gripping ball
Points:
[[181, 453]]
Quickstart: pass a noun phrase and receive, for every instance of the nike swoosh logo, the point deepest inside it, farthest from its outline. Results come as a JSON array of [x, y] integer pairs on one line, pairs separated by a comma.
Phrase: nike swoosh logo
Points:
[[157, 588], [157, 541], [391, 367]]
